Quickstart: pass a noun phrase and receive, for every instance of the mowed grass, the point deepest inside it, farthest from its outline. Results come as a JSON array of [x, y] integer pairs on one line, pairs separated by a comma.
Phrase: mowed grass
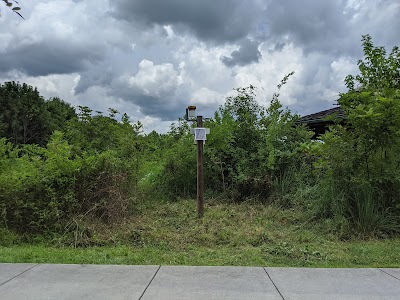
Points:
[[229, 234]]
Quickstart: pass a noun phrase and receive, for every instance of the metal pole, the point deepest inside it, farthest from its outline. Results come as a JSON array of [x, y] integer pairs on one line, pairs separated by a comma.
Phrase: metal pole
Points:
[[200, 180]]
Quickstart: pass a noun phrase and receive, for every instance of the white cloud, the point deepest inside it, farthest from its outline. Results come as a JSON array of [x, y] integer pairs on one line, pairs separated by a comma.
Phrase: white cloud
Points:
[[155, 80], [342, 67], [207, 98], [150, 124], [49, 86]]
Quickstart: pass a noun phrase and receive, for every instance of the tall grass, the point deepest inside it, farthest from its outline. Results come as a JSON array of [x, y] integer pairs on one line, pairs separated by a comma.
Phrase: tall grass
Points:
[[350, 208], [369, 215]]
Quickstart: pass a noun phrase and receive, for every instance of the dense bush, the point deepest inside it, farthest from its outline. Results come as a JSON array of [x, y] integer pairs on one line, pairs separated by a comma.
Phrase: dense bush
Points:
[[37, 186], [43, 189], [253, 149]]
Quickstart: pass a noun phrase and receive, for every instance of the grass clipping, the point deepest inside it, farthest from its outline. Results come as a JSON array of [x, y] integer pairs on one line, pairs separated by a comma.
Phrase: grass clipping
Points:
[[229, 234]]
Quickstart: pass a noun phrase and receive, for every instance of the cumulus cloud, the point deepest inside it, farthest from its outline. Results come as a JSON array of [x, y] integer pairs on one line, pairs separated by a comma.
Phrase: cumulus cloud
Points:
[[155, 80]]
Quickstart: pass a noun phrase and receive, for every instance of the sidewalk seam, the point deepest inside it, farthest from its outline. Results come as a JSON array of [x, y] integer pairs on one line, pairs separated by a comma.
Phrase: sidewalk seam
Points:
[[389, 274], [1, 284], [265, 270], [155, 274]]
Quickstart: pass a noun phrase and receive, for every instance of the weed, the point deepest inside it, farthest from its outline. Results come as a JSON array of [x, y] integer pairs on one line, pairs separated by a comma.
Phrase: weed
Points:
[[229, 234]]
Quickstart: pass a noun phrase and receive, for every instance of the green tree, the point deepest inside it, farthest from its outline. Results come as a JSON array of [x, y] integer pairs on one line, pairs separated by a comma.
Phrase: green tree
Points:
[[97, 133], [27, 118], [60, 112], [24, 116], [372, 106], [362, 160]]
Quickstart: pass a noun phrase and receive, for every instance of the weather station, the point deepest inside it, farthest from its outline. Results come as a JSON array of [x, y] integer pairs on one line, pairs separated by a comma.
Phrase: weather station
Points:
[[200, 136]]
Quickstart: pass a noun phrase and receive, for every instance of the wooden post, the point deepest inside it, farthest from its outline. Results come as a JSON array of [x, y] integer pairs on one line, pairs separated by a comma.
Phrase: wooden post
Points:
[[200, 180]]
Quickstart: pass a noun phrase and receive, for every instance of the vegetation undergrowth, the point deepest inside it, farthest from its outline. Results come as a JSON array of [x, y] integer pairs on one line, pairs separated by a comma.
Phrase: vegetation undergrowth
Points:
[[247, 234]]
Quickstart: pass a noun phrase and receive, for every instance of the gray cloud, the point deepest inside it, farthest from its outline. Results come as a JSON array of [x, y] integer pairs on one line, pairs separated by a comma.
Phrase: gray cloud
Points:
[[279, 46], [50, 57], [248, 53], [313, 24], [333, 27], [210, 20], [91, 78], [50, 42], [166, 108]]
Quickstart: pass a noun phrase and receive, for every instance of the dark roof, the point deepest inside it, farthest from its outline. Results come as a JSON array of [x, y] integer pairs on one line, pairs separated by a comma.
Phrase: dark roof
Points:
[[320, 121], [323, 116]]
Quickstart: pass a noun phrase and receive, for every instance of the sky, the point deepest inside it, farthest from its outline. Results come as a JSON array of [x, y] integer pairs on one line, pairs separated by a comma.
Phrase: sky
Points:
[[153, 58]]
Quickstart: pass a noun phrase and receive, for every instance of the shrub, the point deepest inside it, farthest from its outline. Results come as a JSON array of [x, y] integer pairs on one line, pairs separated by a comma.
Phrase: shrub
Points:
[[42, 189]]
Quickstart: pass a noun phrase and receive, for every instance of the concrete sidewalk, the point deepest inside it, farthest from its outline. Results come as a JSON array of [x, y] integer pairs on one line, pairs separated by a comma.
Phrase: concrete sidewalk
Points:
[[43, 281]]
